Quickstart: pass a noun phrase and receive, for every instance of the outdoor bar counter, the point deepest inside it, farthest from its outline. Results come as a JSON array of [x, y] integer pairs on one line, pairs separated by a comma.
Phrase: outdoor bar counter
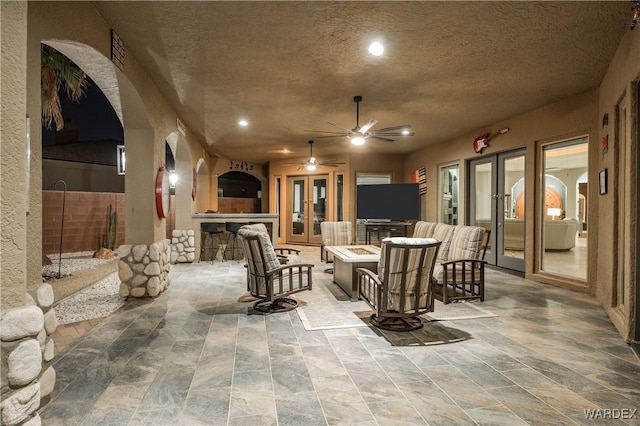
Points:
[[272, 221]]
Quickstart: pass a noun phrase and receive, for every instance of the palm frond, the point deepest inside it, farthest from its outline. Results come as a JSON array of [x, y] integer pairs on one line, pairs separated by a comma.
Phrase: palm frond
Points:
[[57, 71]]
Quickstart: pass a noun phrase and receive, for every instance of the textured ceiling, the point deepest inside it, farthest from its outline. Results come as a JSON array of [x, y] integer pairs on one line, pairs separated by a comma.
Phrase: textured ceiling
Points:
[[448, 68]]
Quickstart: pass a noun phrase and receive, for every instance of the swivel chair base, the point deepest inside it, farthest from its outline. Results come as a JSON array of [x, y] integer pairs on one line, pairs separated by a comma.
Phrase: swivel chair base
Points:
[[282, 304], [397, 323]]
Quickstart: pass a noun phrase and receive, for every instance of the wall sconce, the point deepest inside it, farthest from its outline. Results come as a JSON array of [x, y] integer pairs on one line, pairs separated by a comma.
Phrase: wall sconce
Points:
[[121, 159], [553, 212]]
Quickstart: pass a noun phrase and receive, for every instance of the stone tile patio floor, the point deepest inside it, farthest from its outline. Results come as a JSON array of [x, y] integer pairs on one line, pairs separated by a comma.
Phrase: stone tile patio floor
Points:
[[193, 356]]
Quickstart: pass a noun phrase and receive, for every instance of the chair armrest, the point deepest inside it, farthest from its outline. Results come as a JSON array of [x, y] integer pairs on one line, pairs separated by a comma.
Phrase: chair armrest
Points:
[[368, 274], [475, 262], [281, 251], [290, 268]]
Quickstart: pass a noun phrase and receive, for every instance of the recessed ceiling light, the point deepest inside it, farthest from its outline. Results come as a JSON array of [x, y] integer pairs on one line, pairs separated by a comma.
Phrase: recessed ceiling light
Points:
[[243, 123], [376, 48]]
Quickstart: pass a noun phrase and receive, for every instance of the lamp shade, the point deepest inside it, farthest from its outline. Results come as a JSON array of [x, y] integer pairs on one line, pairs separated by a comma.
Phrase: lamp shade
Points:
[[553, 212]]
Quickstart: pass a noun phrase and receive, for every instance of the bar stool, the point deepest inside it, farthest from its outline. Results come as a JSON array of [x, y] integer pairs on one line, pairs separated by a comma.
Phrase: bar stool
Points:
[[210, 233], [232, 240]]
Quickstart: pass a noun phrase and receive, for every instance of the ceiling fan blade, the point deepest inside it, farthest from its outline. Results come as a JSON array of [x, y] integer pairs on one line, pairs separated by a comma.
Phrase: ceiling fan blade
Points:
[[323, 131], [339, 135], [395, 134], [349, 131], [381, 139], [387, 129], [364, 129], [330, 163]]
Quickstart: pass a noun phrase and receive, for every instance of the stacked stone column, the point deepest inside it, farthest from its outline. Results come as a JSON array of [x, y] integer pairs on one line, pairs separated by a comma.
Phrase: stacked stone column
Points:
[[27, 350], [144, 269], [183, 246]]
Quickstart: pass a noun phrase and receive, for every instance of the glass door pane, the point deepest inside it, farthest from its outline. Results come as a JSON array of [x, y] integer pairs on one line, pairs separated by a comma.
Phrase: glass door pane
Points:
[[319, 206], [510, 211], [298, 210], [340, 197], [482, 206], [564, 245], [307, 201], [449, 188], [496, 202]]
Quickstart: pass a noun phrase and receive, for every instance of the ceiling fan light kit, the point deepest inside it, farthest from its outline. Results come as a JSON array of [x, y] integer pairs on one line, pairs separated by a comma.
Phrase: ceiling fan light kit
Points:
[[358, 135], [357, 140], [312, 164]]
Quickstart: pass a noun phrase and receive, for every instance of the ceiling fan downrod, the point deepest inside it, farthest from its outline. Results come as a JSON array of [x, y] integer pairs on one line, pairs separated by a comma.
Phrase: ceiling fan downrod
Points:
[[357, 99]]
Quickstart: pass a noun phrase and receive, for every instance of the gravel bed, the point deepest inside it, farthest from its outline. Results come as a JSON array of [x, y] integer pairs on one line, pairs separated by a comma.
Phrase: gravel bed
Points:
[[71, 262], [97, 301]]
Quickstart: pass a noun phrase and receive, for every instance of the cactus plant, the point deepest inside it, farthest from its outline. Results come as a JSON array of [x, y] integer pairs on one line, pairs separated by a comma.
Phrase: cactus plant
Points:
[[110, 239]]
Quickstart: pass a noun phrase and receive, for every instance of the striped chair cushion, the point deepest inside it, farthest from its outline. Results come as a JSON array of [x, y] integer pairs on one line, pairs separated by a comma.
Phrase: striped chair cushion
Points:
[[397, 240], [415, 289], [271, 259], [256, 281], [424, 229], [443, 233], [335, 234], [466, 242]]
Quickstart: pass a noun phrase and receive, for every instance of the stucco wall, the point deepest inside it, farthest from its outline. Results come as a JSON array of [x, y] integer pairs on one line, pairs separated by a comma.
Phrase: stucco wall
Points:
[[13, 220], [623, 70], [570, 117]]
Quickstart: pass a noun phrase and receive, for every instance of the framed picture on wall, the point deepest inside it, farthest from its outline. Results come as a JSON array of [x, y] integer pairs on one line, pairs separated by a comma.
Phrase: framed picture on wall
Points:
[[602, 181]]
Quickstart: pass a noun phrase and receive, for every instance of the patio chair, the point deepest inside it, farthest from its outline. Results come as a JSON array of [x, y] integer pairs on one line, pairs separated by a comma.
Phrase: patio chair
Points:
[[460, 275], [285, 254], [269, 280], [333, 234], [402, 290]]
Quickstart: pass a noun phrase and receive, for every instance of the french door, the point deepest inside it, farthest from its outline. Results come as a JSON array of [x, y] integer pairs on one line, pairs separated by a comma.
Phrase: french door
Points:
[[496, 202], [307, 207]]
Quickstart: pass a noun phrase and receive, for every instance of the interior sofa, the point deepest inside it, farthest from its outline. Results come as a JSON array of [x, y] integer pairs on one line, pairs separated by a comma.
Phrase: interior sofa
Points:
[[558, 234], [459, 268]]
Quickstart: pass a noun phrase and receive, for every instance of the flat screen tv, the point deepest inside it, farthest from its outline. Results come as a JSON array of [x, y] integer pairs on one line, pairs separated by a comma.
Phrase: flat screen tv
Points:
[[394, 201]]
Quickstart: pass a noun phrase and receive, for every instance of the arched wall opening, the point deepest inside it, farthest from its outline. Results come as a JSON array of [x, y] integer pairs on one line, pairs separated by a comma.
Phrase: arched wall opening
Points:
[[79, 163], [138, 138], [239, 192], [223, 167]]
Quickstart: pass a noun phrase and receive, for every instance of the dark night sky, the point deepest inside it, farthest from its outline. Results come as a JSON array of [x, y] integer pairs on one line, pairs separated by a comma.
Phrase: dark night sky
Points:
[[93, 115]]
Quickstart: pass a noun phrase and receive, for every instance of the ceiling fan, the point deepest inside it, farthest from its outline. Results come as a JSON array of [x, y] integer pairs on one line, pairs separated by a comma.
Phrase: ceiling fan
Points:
[[312, 163], [358, 134]]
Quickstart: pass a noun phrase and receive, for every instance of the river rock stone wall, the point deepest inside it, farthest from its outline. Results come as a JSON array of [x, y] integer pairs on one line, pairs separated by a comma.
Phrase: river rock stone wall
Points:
[[183, 246], [26, 353], [144, 269]]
